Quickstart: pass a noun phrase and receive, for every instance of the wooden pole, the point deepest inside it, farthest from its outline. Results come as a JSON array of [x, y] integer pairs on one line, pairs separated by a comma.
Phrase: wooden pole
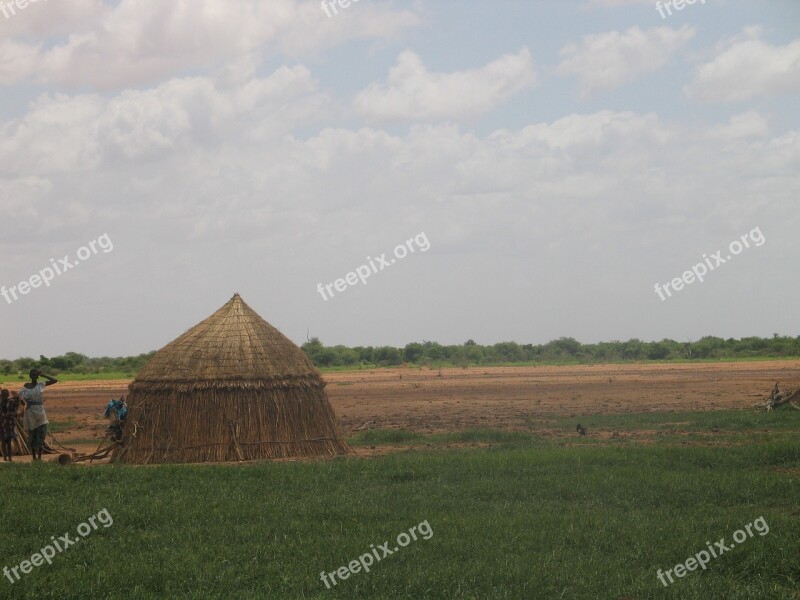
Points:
[[21, 447]]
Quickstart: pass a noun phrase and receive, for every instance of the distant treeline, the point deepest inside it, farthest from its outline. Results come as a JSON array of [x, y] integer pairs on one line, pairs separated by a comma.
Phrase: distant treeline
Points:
[[562, 350], [75, 363]]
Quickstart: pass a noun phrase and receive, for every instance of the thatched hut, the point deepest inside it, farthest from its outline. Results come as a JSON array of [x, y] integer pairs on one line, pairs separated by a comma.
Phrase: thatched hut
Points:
[[231, 388]]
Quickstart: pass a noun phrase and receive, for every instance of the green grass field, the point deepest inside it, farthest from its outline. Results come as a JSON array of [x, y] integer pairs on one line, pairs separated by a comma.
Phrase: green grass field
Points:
[[523, 516], [19, 380]]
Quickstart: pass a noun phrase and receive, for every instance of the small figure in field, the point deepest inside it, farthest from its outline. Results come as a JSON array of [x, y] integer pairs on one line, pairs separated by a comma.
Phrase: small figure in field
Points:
[[775, 391], [116, 413], [580, 429], [35, 420], [9, 404]]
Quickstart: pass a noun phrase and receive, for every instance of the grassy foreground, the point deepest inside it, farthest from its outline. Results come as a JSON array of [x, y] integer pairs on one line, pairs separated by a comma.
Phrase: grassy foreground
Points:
[[526, 517]]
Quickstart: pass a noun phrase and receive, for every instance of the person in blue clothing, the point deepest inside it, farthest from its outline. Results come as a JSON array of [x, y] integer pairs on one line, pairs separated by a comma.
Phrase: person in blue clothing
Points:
[[116, 412]]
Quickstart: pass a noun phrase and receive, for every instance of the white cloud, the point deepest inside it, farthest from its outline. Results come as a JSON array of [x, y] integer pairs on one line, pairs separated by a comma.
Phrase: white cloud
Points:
[[45, 19], [63, 133], [618, 3], [742, 126], [22, 196], [615, 199], [136, 43], [598, 172], [747, 67], [411, 92], [606, 60]]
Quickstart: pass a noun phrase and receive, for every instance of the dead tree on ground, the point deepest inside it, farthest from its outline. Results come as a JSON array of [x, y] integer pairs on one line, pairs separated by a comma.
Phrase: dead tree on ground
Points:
[[777, 398]]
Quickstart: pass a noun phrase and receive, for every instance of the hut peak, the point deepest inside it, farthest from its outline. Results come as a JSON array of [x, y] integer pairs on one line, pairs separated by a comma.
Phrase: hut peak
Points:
[[233, 344]]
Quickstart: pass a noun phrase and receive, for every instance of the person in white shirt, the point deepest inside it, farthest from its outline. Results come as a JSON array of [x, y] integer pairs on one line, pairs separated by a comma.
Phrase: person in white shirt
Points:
[[35, 420]]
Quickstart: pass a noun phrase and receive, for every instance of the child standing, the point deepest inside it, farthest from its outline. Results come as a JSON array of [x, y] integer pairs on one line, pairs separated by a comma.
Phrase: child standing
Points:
[[8, 422]]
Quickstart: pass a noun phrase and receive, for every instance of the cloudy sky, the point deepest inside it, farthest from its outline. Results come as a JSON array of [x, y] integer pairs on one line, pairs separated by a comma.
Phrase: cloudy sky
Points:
[[559, 158]]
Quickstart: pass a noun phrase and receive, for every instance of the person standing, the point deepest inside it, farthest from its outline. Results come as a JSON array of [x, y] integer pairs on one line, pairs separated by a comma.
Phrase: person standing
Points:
[[8, 422], [35, 421]]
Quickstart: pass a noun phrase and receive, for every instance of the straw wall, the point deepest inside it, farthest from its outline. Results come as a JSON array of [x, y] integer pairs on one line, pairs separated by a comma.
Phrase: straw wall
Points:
[[182, 422]]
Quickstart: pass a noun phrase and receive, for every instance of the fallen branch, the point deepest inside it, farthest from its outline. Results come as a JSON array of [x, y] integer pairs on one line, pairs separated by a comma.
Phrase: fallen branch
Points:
[[778, 398]]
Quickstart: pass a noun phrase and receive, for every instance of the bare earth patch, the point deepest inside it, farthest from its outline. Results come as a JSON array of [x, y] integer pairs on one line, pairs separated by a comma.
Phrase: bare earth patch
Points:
[[506, 398]]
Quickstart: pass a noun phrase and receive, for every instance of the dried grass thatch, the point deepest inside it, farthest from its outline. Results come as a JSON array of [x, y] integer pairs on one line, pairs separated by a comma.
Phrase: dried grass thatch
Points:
[[231, 388]]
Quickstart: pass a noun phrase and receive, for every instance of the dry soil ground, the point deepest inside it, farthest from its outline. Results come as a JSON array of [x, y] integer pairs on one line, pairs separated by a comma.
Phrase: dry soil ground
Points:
[[507, 398]]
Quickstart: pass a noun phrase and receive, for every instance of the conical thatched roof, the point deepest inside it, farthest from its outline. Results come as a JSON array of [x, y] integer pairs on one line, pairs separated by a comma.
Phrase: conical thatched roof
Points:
[[231, 388], [234, 346]]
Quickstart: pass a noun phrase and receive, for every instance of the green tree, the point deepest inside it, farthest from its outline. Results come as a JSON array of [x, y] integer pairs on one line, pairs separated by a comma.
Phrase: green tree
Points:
[[657, 351], [388, 356], [413, 352]]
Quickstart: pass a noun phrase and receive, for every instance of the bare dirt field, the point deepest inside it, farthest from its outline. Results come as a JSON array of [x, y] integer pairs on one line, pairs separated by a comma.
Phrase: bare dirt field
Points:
[[508, 398]]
